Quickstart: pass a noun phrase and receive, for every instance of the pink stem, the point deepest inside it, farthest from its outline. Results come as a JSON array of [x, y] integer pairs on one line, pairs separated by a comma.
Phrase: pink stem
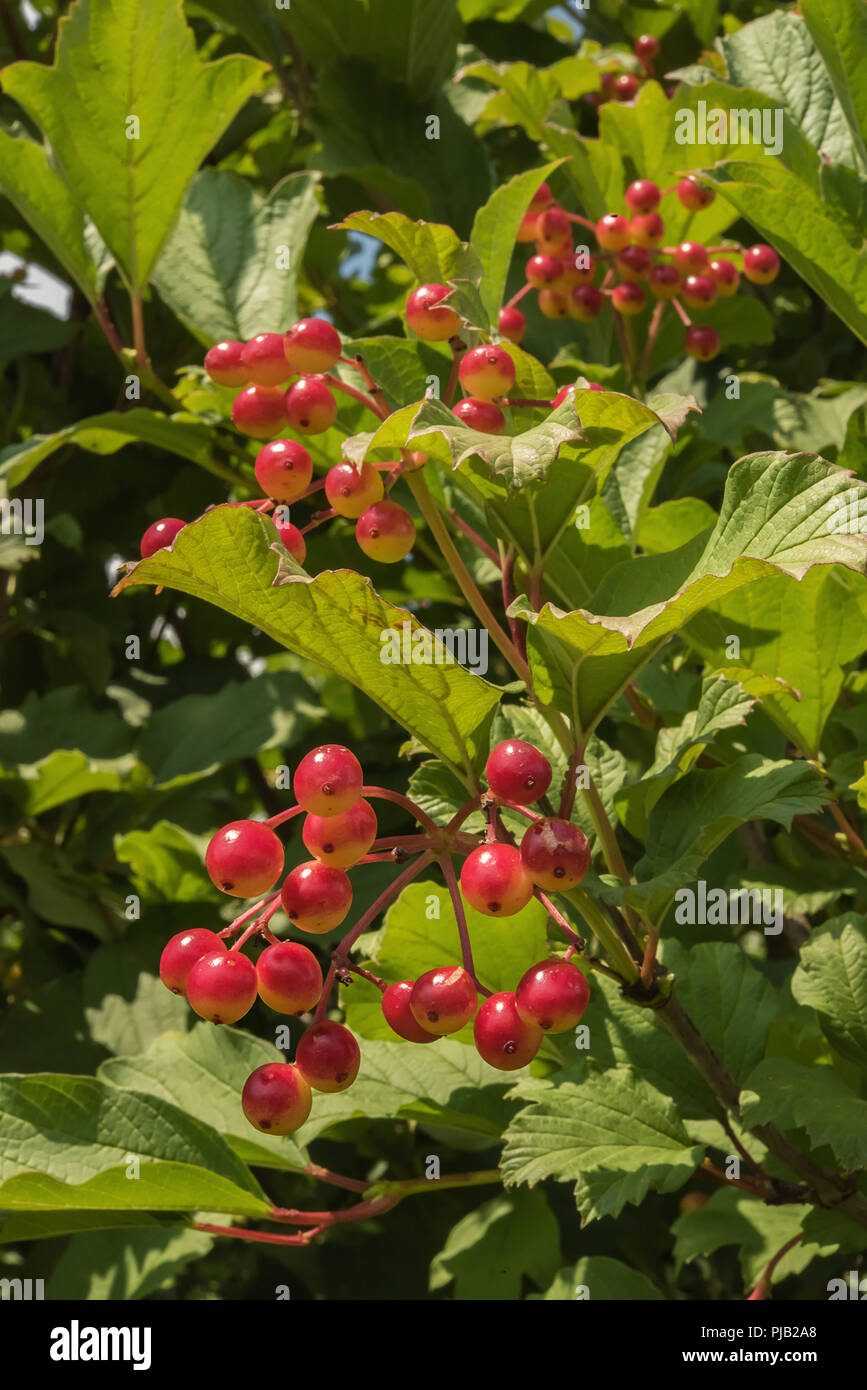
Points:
[[577, 941], [447, 867], [378, 408], [582, 221], [399, 799], [516, 298], [683, 315], [284, 816]]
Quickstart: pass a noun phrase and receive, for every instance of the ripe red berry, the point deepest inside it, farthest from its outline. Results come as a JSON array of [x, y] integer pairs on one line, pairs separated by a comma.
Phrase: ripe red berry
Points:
[[494, 880], [647, 46], [503, 1039], [311, 345], [276, 1099], [564, 393], [265, 360], [628, 298], [553, 995], [553, 228], [398, 1014], [429, 317], [260, 411], [310, 405], [289, 978], [726, 277], [223, 364], [700, 291], [556, 854], [585, 303], [702, 342], [516, 771], [634, 263], [486, 372], [643, 196], [664, 281], [290, 536], [328, 1057], [694, 195], [351, 490], [691, 257], [341, 840], [284, 469], [160, 535], [221, 986], [181, 952], [626, 87], [577, 270], [553, 304], [328, 780], [443, 1000], [542, 198], [512, 323], [612, 231], [761, 264], [385, 532], [245, 858], [480, 415], [648, 230], [544, 271], [316, 897]]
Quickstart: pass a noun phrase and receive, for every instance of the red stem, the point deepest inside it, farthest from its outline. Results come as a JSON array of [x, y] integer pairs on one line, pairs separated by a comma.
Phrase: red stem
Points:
[[516, 298], [399, 799], [447, 867], [521, 401], [684, 316], [379, 409], [283, 816], [473, 536], [577, 941]]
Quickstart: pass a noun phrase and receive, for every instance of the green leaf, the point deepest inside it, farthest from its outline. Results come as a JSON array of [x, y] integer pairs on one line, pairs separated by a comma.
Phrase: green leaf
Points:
[[785, 1093], [839, 30], [736, 1005], [813, 423], [159, 1187], [65, 775], [166, 863], [433, 252], [732, 1218], [517, 459], [489, 1253], [123, 1265], [40, 1225], [832, 979], [496, 227], [605, 1280], [126, 1003], [412, 41]]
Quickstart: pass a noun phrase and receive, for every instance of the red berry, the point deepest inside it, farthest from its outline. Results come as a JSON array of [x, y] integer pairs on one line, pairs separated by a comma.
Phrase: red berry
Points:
[[160, 535], [260, 411], [289, 978], [556, 854], [428, 317], [542, 198], [284, 470], [648, 230], [512, 324], [647, 46], [516, 771], [180, 954], [628, 298], [726, 277], [276, 1099], [310, 405], [527, 228], [351, 490], [494, 880], [595, 386], [553, 304], [486, 372], [643, 196], [341, 840], [564, 393], [700, 291], [291, 537], [544, 271], [626, 87], [612, 231], [553, 228], [690, 257], [265, 360], [328, 780], [702, 342], [223, 364], [664, 281], [443, 1000], [480, 415], [694, 195], [245, 858], [503, 1039], [761, 264], [553, 995], [585, 303], [316, 897], [328, 1057], [311, 345], [578, 270], [385, 532], [398, 1014], [221, 986], [634, 263]]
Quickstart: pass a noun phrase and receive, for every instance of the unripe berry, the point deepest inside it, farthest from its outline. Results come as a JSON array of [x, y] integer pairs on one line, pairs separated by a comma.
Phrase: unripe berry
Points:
[[224, 365], [542, 198], [634, 263], [315, 897], [648, 230], [443, 1000], [385, 532], [726, 277], [577, 274], [556, 854], [646, 46], [341, 840], [351, 490], [691, 257], [221, 987], [694, 195], [292, 538], [328, 780], [553, 995], [544, 271], [761, 264], [311, 345], [398, 1014], [284, 470], [260, 411], [664, 281], [626, 87], [276, 1099], [503, 1039], [516, 771], [700, 291], [512, 323], [244, 859], [265, 360], [628, 299], [527, 228], [553, 304], [480, 415], [494, 880], [612, 231], [585, 303], [160, 535], [328, 1057], [643, 196], [310, 405], [486, 372], [289, 978], [702, 342], [553, 228], [180, 954], [429, 317]]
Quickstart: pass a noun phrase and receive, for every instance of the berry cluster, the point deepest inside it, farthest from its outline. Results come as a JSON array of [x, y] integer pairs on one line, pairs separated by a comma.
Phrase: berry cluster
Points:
[[623, 86], [498, 878]]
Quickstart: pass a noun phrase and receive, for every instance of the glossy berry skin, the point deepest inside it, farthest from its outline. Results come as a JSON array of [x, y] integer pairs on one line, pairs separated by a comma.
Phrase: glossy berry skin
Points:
[[428, 317], [553, 304], [694, 195], [224, 365], [351, 490], [648, 230], [443, 1000], [726, 277], [503, 1039], [260, 411], [646, 46], [577, 270], [328, 780], [276, 1099], [398, 1014], [284, 470], [160, 535], [702, 342], [289, 978], [700, 291], [265, 361], [585, 303], [664, 281], [385, 532], [691, 258], [328, 1057], [542, 198], [311, 345], [626, 87], [516, 771], [244, 859], [634, 263], [553, 228], [316, 897], [494, 880], [642, 196], [555, 853], [341, 840], [564, 393], [612, 232], [512, 324], [761, 265], [544, 271], [553, 995], [310, 405], [480, 415], [182, 951], [628, 299], [222, 986], [291, 538], [486, 372]]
